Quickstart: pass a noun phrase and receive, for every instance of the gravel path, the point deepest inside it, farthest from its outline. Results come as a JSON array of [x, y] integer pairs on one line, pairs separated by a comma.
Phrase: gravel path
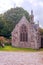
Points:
[[21, 58]]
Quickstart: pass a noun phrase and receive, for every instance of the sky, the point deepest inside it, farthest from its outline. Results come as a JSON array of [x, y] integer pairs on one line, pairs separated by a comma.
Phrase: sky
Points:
[[35, 5]]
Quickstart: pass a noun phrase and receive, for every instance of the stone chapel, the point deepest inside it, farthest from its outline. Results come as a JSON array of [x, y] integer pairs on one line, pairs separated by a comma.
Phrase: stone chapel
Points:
[[26, 34]]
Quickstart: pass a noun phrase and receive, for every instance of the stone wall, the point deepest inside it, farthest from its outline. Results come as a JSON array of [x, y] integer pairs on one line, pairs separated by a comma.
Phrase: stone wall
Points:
[[33, 35]]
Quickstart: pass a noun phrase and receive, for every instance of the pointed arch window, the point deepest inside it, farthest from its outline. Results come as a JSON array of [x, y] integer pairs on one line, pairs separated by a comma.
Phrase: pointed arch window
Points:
[[23, 33]]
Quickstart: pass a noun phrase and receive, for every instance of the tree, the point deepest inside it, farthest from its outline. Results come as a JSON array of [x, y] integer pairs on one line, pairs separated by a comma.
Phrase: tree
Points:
[[1, 25], [15, 14], [41, 31], [11, 18]]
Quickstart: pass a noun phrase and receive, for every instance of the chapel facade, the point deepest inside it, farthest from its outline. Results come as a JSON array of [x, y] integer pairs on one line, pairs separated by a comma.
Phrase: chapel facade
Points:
[[26, 34]]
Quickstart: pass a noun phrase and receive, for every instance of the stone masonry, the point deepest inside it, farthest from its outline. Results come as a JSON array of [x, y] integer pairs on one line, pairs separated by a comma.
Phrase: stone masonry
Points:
[[26, 34]]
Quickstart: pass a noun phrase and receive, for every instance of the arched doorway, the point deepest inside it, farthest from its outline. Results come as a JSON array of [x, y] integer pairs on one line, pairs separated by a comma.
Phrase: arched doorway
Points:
[[23, 34]]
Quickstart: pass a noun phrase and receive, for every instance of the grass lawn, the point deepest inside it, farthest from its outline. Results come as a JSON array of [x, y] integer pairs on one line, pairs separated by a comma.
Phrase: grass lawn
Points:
[[10, 48]]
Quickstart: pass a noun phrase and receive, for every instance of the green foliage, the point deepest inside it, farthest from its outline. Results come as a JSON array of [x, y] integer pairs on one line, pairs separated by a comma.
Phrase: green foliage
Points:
[[15, 14], [10, 19], [1, 25], [41, 31]]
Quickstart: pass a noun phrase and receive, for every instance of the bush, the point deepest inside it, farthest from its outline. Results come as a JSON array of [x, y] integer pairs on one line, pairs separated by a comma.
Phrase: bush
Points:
[[8, 42], [2, 39]]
